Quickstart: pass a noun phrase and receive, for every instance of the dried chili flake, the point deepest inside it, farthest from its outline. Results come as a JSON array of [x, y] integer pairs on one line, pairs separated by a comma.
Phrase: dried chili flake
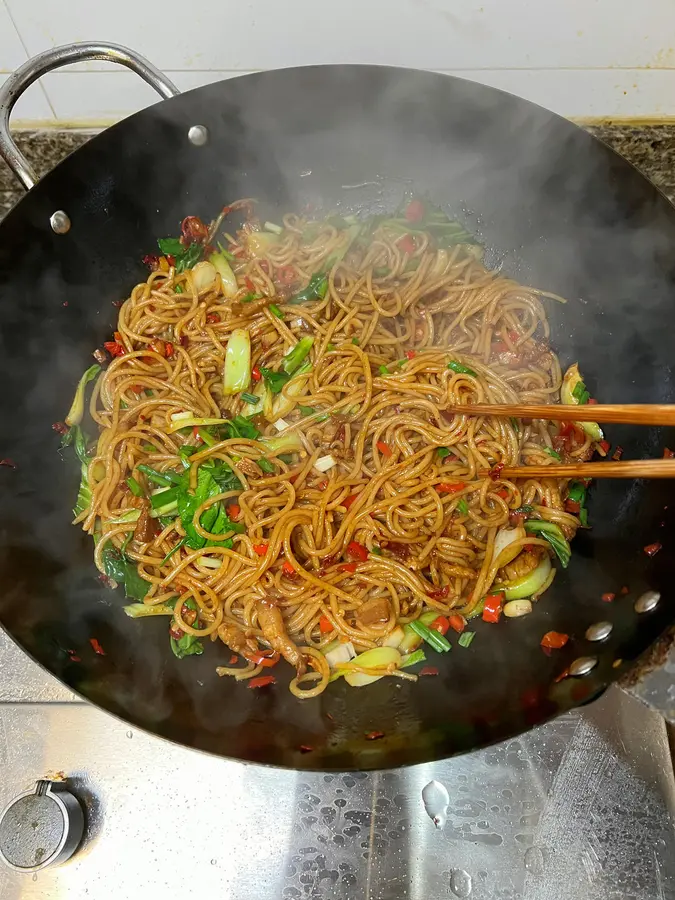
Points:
[[429, 670], [653, 549], [608, 597], [96, 647], [8, 462], [374, 735]]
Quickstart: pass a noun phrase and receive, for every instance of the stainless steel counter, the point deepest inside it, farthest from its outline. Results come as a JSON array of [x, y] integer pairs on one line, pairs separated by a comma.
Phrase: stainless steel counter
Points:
[[581, 809]]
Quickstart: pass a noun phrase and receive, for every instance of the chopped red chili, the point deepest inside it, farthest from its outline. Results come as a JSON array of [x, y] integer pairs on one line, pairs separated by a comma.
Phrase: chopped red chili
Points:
[[618, 453], [234, 660], [406, 244], [414, 211], [653, 549], [503, 493], [73, 656], [97, 648], [624, 590], [429, 670], [591, 401], [265, 658], [554, 640], [492, 607], [608, 597], [8, 462], [114, 348], [212, 318], [457, 622], [306, 748], [572, 506], [60, 427], [151, 260], [445, 488], [255, 373], [440, 624], [234, 510], [288, 569], [668, 454], [357, 551], [496, 471], [374, 735], [439, 593], [384, 449], [348, 567], [325, 625], [347, 502], [250, 286], [261, 681], [410, 354], [261, 549], [604, 447]]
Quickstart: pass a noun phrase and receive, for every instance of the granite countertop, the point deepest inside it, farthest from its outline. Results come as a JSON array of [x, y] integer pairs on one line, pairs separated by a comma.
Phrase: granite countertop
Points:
[[651, 148]]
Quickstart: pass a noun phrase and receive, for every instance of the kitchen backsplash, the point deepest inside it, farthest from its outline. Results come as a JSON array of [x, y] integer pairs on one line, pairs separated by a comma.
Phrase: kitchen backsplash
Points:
[[581, 58]]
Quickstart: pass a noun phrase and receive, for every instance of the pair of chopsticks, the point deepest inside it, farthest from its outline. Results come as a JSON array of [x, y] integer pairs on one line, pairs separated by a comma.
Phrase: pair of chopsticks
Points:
[[626, 413]]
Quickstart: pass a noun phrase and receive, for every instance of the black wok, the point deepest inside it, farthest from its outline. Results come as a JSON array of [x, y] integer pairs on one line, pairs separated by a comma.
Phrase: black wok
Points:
[[554, 206]]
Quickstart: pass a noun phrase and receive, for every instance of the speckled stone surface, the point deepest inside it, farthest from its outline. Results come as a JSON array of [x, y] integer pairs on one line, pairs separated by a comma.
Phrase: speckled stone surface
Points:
[[651, 148]]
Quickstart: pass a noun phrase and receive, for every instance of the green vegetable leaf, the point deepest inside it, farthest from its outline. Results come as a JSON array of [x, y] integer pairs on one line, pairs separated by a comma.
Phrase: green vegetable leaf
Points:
[[266, 466], [76, 410], [134, 487], [443, 452], [274, 380], [553, 453], [463, 507], [189, 257], [460, 369], [189, 503], [124, 571], [417, 656], [224, 476], [295, 357], [554, 535], [434, 638], [188, 645], [242, 427], [307, 410], [170, 246], [315, 290]]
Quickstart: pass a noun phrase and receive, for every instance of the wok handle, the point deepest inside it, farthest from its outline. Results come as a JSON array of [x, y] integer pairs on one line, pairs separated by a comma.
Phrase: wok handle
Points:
[[45, 62]]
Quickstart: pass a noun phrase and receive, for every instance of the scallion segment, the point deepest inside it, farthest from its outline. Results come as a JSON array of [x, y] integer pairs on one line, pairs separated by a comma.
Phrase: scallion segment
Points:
[[433, 638]]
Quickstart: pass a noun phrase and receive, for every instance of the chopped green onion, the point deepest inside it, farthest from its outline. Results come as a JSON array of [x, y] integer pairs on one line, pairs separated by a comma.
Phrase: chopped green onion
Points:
[[417, 656], [178, 289], [297, 355], [514, 424], [275, 229], [76, 411], [164, 498], [134, 486], [583, 517], [163, 478], [460, 369], [330, 346], [274, 309], [463, 507], [383, 370], [230, 257], [207, 438], [434, 638], [307, 410], [237, 373], [580, 393], [266, 466], [289, 442], [376, 550], [577, 492], [141, 610], [465, 638], [443, 452], [168, 556], [553, 453], [150, 448], [249, 398], [315, 290], [355, 341]]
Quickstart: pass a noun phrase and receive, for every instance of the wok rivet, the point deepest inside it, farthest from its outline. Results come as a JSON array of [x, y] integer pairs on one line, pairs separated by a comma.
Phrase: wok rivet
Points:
[[198, 135], [583, 665], [60, 222], [599, 631], [647, 602]]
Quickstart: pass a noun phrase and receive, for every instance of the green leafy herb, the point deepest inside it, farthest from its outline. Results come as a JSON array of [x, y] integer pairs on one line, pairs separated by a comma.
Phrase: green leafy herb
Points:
[[274, 380], [577, 492], [178, 289], [170, 246], [181, 543], [443, 452], [514, 424], [463, 507], [460, 369], [554, 535], [315, 290], [580, 393], [465, 638], [164, 498], [553, 453], [307, 410], [124, 571], [274, 309], [296, 356], [189, 257], [134, 486], [376, 550], [224, 476], [330, 346], [241, 427], [383, 370], [188, 645], [355, 341], [266, 466]]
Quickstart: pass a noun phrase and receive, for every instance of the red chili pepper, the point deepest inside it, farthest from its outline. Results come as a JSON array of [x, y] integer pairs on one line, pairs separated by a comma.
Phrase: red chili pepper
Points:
[[604, 447], [249, 284], [196, 435], [618, 453], [288, 569], [306, 748], [374, 735], [161, 347], [668, 454], [323, 484], [8, 462], [503, 493], [233, 510], [234, 660], [439, 593], [440, 624], [406, 244], [114, 348], [653, 549], [445, 488], [96, 647], [514, 337], [347, 502], [566, 429], [261, 549], [286, 274], [562, 676], [60, 427], [410, 354], [492, 607], [429, 670], [261, 681], [554, 640], [212, 318], [457, 622], [151, 260], [384, 449], [414, 211], [572, 506], [255, 373], [193, 230], [624, 590], [265, 266], [591, 401], [348, 567], [500, 347], [73, 656], [325, 625], [357, 551], [607, 598], [265, 658]]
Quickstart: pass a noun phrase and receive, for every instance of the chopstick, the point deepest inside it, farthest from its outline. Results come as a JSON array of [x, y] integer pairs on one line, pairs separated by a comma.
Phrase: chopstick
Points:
[[635, 468], [628, 413]]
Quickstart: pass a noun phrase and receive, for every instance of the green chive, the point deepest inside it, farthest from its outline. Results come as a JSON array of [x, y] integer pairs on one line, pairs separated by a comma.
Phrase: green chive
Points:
[[553, 453], [465, 638], [178, 289], [163, 478], [250, 398], [274, 309], [463, 507], [434, 638], [443, 452], [376, 550], [583, 517], [322, 418], [460, 369], [383, 370], [134, 487], [307, 410], [266, 466], [150, 448], [355, 341], [514, 423], [175, 550], [330, 346]]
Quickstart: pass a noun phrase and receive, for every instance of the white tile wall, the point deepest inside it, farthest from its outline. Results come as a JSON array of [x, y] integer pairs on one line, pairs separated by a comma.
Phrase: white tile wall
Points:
[[578, 57]]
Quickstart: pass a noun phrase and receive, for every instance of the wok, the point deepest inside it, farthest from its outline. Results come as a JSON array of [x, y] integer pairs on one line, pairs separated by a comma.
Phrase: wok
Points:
[[555, 207]]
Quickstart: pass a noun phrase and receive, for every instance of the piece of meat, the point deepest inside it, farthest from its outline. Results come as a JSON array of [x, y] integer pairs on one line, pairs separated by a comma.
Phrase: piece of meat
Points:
[[145, 525], [235, 638], [454, 571], [272, 625], [525, 562], [250, 468], [375, 611]]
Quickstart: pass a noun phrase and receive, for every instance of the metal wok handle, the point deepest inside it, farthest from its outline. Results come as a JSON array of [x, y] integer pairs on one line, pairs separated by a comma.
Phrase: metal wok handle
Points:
[[39, 65]]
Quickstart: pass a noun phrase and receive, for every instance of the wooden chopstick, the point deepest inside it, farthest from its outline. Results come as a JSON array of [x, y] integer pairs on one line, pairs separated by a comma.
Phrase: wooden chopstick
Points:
[[634, 468], [628, 413]]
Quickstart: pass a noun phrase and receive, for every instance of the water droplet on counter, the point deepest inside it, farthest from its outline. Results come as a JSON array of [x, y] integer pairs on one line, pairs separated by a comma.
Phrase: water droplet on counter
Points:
[[35, 877], [534, 860], [214, 862], [460, 883], [130, 734], [436, 800]]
